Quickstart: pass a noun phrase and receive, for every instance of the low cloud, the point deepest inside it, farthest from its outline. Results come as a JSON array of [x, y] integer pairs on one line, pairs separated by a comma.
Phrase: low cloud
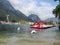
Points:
[[44, 11]]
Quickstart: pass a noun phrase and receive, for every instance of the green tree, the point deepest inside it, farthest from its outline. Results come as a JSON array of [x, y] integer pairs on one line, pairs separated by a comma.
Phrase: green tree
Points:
[[56, 11]]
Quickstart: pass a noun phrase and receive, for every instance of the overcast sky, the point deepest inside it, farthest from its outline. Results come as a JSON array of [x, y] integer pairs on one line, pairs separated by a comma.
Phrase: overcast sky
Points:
[[43, 8]]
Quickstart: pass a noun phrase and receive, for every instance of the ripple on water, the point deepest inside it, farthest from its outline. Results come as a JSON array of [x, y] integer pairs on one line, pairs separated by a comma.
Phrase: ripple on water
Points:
[[25, 38]]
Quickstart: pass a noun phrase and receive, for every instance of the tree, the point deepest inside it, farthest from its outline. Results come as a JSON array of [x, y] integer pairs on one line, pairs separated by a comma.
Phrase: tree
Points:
[[13, 20], [57, 0], [56, 11]]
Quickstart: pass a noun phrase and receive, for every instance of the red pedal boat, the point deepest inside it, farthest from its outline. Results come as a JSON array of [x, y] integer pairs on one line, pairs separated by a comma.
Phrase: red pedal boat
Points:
[[41, 25]]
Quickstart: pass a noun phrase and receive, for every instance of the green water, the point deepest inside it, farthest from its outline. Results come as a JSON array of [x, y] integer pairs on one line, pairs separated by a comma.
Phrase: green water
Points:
[[49, 36]]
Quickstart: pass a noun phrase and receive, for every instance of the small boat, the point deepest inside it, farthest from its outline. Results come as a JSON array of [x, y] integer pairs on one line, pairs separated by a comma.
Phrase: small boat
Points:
[[41, 25]]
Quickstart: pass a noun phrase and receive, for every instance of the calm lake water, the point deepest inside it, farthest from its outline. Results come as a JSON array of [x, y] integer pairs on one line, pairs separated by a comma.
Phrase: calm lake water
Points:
[[11, 35]]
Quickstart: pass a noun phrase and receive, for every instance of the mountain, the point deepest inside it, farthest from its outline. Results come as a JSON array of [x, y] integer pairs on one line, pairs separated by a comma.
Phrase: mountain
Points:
[[7, 9], [34, 17], [52, 19]]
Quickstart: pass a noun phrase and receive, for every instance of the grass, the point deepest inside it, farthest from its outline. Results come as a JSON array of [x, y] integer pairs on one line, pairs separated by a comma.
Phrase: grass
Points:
[[31, 41], [2, 41], [56, 43]]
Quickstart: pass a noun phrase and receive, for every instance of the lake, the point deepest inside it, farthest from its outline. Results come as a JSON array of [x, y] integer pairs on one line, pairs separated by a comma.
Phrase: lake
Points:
[[11, 35]]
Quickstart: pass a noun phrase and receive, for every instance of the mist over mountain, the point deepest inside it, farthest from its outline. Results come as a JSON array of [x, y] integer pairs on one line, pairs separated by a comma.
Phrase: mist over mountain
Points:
[[7, 9], [52, 19], [34, 17]]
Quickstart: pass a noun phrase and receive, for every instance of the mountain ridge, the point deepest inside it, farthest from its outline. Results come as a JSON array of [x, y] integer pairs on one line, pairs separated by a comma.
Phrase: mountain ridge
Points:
[[34, 17], [7, 9]]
